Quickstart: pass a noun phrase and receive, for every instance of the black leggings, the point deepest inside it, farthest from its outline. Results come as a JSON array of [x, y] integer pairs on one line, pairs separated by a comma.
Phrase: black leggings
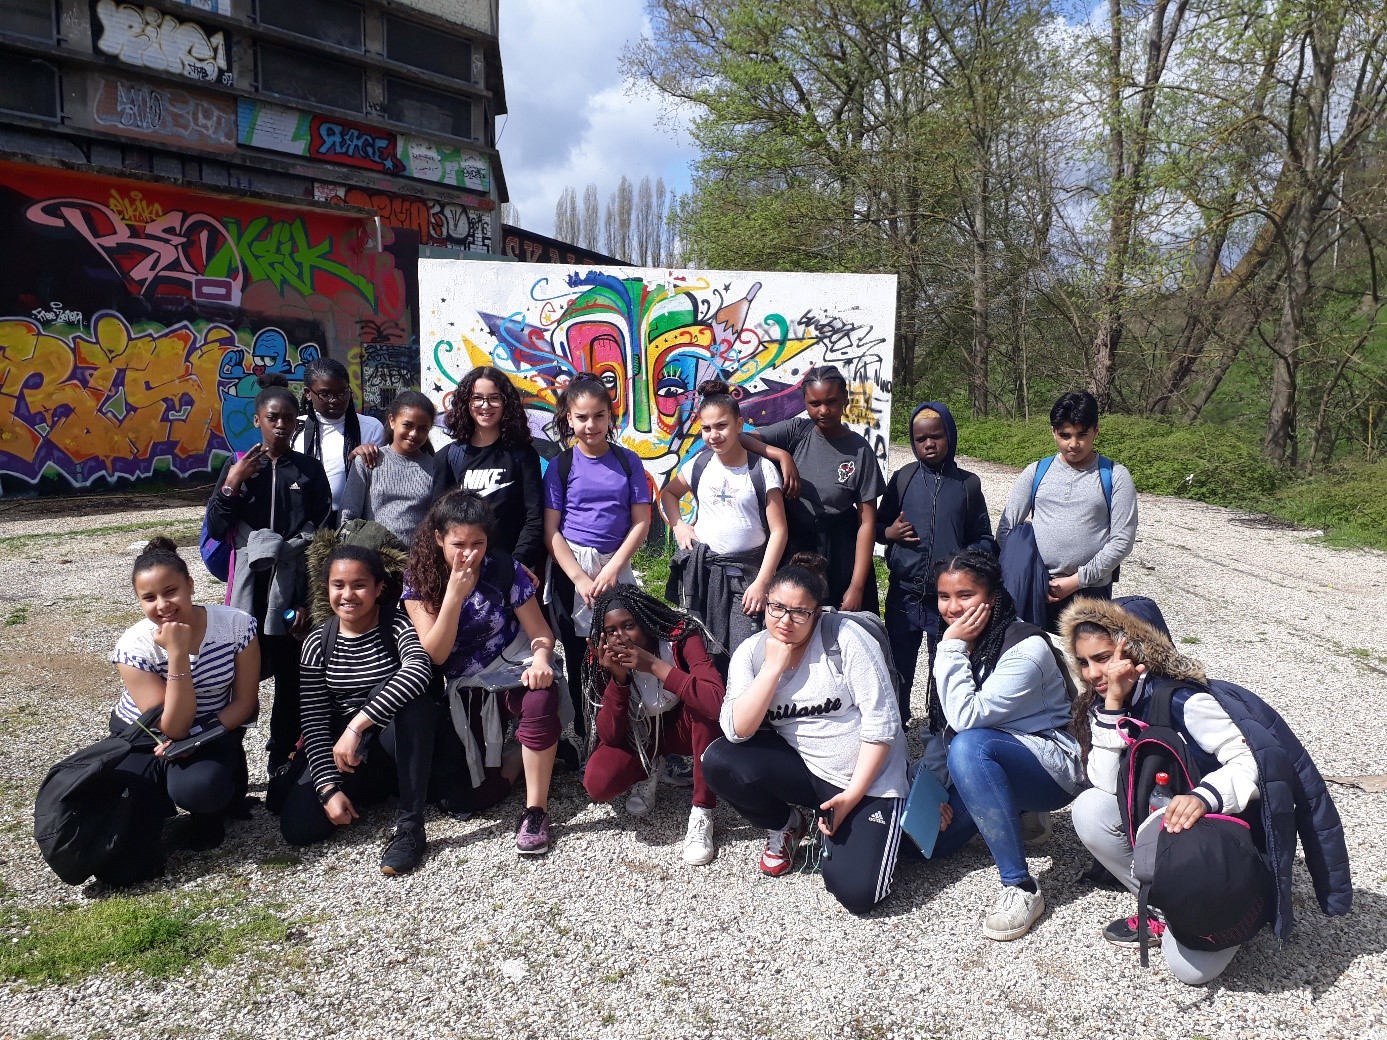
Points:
[[763, 777], [399, 760], [205, 783], [279, 657]]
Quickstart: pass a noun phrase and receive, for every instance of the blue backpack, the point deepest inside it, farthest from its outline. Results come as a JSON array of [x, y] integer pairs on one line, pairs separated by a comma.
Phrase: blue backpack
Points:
[[1104, 478]]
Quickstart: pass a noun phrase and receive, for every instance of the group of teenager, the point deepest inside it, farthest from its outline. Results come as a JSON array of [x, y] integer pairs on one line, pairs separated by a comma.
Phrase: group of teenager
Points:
[[758, 678]]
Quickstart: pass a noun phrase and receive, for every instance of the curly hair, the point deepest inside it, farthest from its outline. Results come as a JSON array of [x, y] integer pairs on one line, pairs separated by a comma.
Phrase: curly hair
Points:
[[987, 648], [427, 570], [515, 427]]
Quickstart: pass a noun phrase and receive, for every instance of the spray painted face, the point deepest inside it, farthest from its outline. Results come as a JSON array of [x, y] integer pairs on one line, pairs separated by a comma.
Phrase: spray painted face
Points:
[[269, 352]]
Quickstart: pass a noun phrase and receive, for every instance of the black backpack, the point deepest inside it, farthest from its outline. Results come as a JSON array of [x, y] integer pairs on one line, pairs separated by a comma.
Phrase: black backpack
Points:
[[84, 805], [758, 481], [1156, 747], [1210, 882]]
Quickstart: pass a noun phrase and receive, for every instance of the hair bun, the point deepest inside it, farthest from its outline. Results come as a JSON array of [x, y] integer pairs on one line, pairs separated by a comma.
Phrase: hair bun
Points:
[[811, 562], [714, 388], [270, 379], [160, 544]]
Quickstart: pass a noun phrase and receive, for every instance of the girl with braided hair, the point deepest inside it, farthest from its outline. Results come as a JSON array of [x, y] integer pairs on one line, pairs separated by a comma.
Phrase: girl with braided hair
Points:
[[660, 695], [1005, 695], [332, 429]]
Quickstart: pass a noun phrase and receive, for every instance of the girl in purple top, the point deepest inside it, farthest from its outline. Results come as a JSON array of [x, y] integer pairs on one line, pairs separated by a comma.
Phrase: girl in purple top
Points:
[[476, 615], [596, 515]]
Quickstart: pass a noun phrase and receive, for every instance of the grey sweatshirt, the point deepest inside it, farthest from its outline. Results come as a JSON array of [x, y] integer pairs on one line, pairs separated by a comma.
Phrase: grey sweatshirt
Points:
[[396, 494], [825, 716], [1073, 530]]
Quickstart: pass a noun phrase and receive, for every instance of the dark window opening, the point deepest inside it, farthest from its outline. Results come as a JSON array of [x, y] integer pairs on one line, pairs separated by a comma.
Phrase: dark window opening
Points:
[[37, 19], [426, 109], [311, 78], [326, 20], [417, 45], [29, 86]]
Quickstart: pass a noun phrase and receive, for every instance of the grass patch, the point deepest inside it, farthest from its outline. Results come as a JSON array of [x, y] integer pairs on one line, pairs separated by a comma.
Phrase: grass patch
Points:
[[159, 935], [651, 563], [181, 535], [1348, 503], [17, 616]]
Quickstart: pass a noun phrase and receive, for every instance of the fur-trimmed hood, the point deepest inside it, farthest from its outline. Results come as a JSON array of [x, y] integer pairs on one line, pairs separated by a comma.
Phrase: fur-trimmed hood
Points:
[[1139, 620], [366, 533]]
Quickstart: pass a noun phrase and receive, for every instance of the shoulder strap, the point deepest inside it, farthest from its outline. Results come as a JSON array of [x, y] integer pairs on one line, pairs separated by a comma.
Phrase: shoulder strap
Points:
[[1159, 696], [831, 625], [1105, 478], [701, 461], [625, 462], [1041, 468], [564, 460], [758, 484], [330, 629], [385, 624]]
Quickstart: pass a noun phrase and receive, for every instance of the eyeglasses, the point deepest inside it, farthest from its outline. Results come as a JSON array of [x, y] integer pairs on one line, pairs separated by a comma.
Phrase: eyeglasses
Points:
[[331, 395], [797, 615], [493, 401]]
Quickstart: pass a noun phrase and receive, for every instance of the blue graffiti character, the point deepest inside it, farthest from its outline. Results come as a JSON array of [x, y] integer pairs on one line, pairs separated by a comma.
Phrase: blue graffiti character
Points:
[[268, 354]]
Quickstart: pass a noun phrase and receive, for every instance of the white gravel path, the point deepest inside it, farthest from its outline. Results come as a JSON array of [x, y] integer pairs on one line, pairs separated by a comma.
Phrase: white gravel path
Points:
[[611, 936]]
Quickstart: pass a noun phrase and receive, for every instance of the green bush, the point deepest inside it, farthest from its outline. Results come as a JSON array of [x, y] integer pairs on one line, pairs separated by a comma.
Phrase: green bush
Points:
[[1208, 463], [1349, 503]]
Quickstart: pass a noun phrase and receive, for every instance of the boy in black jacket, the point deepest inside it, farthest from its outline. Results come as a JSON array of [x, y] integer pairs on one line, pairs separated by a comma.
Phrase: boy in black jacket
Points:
[[931, 509]]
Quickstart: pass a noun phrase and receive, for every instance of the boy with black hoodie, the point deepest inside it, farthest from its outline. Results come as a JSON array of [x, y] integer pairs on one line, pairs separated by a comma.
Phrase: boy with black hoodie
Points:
[[931, 510]]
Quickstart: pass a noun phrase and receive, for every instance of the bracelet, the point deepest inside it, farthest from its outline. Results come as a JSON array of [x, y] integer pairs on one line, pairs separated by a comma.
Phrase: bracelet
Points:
[[177, 675], [544, 642], [325, 793], [358, 732]]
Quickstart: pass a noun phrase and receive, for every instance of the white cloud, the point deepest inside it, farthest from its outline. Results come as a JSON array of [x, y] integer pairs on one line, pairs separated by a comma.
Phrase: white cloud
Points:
[[573, 119]]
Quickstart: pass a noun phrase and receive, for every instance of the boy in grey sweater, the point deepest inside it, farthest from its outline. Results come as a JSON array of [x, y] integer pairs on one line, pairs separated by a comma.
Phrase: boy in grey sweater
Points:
[[1082, 539]]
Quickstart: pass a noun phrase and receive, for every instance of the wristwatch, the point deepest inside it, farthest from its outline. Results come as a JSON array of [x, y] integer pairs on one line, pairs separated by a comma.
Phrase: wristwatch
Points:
[[231, 492]]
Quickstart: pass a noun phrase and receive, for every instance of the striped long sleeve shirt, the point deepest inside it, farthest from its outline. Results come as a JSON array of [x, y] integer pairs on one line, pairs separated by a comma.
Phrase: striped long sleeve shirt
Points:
[[335, 690]]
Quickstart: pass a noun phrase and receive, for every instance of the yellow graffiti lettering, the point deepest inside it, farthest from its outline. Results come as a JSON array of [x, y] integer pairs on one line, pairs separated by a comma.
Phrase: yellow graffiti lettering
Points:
[[133, 208]]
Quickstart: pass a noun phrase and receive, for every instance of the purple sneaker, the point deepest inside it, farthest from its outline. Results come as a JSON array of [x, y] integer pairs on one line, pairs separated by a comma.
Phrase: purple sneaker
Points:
[[532, 836]]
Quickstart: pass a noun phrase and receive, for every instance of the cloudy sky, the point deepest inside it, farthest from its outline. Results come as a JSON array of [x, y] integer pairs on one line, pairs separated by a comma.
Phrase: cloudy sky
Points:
[[573, 118]]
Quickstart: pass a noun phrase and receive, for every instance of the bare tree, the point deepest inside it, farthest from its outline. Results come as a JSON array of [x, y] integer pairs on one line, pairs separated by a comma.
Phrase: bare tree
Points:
[[609, 238], [642, 223], [657, 233], [624, 200], [591, 237], [566, 216], [510, 214]]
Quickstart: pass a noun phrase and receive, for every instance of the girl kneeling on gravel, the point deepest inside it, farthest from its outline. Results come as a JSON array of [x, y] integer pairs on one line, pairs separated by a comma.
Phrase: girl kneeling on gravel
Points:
[[805, 727], [202, 666], [476, 615], [368, 719], [660, 695], [1006, 701], [1250, 764]]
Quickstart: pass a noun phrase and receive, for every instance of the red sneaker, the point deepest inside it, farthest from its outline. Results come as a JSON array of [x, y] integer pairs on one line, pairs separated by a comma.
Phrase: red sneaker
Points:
[[781, 845]]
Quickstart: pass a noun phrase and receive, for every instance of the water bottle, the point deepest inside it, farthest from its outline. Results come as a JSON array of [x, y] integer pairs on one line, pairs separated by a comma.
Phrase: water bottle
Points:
[[1160, 794], [290, 615]]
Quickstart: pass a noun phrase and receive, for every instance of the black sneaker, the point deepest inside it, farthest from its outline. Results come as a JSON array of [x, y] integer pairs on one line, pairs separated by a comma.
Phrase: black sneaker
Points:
[[403, 853], [1124, 931], [567, 759], [196, 832]]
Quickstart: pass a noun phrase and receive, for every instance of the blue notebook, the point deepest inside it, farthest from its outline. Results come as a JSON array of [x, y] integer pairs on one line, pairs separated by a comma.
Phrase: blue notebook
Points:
[[921, 817]]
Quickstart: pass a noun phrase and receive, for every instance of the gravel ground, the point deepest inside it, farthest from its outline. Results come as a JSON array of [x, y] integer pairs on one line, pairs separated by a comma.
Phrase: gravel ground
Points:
[[612, 936]]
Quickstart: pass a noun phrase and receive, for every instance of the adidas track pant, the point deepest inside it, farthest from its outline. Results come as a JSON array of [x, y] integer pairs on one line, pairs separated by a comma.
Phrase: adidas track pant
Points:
[[762, 778]]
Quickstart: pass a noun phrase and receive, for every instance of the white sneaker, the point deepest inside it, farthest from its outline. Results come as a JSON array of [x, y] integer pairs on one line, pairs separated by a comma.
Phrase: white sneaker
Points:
[[641, 798], [1035, 828], [698, 839], [1013, 914]]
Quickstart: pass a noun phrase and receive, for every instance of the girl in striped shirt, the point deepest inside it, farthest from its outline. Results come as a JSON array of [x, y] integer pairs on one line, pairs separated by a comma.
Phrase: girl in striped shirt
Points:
[[201, 665], [367, 714]]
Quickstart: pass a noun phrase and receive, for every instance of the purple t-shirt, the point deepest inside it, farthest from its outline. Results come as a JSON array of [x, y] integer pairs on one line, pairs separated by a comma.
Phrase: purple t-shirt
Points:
[[600, 496], [486, 622]]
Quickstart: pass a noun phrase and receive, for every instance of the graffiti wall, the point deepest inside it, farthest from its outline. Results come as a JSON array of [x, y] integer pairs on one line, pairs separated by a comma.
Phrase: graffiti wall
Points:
[[446, 224], [135, 319], [140, 35], [654, 335]]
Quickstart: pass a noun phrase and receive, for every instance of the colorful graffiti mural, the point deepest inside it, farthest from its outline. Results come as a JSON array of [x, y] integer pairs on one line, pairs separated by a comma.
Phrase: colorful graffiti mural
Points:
[[136, 318], [654, 335], [163, 113], [277, 128], [447, 224]]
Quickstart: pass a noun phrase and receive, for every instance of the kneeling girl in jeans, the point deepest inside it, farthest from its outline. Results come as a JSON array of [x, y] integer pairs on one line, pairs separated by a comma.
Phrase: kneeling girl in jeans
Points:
[[1006, 702], [801, 728], [476, 615]]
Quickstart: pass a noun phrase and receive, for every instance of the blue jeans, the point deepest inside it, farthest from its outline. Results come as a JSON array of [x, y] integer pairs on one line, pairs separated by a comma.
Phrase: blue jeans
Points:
[[905, 641], [996, 779]]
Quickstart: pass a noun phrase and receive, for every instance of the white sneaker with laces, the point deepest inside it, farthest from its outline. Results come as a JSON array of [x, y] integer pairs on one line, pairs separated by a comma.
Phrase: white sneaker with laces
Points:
[[698, 839], [1013, 914], [641, 798]]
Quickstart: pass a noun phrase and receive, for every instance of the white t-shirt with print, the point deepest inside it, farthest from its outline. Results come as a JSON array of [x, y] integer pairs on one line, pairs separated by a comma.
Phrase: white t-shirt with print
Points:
[[729, 515], [332, 439]]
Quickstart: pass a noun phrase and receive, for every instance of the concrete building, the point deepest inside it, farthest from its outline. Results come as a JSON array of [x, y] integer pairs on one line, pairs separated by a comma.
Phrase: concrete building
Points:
[[195, 192]]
